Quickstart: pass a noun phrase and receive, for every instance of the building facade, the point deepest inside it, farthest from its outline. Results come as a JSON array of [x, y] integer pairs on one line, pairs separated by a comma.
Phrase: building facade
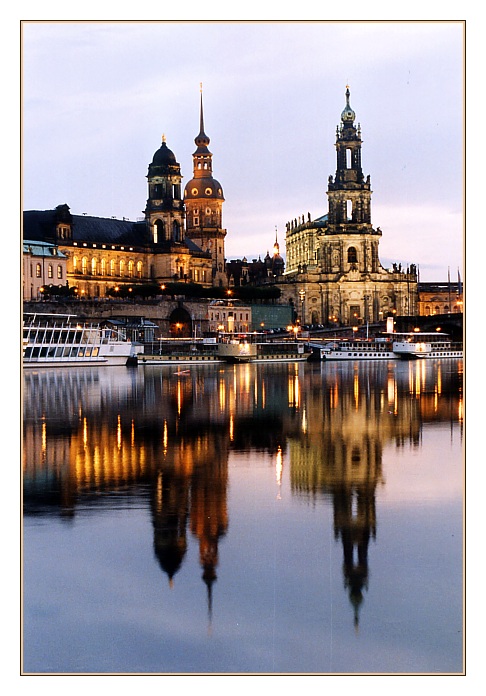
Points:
[[102, 254], [333, 272], [440, 298], [43, 265], [229, 316]]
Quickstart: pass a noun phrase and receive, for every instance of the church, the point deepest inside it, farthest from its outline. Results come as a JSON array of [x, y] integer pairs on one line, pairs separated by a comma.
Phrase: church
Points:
[[333, 272], [181, 237]]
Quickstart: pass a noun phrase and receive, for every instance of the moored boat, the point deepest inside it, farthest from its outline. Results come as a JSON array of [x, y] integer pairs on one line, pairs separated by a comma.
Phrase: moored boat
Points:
[[62, 340], [389, 346], [257, 347], [420, 345], [380, 348]]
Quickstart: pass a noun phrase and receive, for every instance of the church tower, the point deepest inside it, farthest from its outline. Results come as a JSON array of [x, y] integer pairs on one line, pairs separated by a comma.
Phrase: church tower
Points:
[[333, 270], [349, 212], [204, 199], [164, 211]]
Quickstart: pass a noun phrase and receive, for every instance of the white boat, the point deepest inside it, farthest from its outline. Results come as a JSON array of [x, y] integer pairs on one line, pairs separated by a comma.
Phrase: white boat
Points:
[[61, 340], [380, 348], [258, 348], [389, 346], [418, 344]]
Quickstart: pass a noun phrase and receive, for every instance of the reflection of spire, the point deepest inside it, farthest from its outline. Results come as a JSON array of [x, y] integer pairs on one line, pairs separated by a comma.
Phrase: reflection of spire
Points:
[[209, 577], [355, 530], [278, 470]]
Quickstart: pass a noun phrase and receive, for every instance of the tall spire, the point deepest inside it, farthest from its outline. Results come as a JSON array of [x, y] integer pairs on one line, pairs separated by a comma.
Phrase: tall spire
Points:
[[202, 139], [201, 118]]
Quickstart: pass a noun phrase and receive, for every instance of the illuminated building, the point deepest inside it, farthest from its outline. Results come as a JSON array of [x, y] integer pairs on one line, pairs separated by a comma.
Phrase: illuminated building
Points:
[[333, 272]]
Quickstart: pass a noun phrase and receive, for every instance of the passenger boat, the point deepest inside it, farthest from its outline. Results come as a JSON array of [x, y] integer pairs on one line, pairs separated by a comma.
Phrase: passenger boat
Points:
[[258, 348], [226, 348], [380, 348], [419, 345], [61, 340], [389, 346], [179, 351]]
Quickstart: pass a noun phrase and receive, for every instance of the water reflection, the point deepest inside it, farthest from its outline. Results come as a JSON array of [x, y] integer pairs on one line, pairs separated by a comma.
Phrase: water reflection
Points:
[[164, 436]]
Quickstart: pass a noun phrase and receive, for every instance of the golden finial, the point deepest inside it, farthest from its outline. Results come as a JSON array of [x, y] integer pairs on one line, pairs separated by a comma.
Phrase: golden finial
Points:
[[200, 87], [163, 137]]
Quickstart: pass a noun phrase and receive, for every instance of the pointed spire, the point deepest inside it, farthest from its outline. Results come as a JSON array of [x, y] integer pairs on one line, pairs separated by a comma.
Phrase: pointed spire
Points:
[[348, 115], [202, 139], [201, 117]]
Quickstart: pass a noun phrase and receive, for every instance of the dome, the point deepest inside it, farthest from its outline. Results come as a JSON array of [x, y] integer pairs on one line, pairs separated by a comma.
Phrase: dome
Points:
[[163, 156], [204, 187], [347, 114]]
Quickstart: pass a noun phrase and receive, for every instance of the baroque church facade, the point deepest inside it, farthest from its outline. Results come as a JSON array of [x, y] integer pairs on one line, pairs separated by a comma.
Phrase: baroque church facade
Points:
[[179, 239], [333, 271]]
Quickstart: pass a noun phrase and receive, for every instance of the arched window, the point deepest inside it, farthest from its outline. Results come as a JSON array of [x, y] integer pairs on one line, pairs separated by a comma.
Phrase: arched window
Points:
[[75, 264], [59, 272], [130, 268], [139, 269], [159, 232], [103, 267], [94, 266], [122, 267], [50, 272], [112, 267], [176, 231], [352, 255], [38, 271], [84, 265]]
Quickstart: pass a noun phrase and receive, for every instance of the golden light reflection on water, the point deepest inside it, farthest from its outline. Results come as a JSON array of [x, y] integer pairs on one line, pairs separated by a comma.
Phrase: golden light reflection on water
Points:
[[174, 433]]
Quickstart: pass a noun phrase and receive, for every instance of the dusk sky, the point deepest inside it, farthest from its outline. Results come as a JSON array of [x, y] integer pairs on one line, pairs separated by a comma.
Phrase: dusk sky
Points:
[[97, 98]]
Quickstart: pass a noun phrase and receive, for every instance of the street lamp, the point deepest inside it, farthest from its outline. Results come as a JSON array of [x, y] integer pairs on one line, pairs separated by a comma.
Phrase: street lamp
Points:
[[302, 298]]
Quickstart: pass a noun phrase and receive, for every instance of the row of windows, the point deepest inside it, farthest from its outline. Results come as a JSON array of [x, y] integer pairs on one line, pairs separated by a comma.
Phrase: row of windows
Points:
[[215, 316], [50, 271], [103, 267]]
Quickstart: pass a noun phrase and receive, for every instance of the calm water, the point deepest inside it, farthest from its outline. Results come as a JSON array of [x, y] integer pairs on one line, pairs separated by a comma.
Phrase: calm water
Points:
[[231, 519]]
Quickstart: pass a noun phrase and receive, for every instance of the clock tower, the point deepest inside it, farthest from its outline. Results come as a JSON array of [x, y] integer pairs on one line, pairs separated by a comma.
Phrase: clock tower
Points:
[[203, 197]]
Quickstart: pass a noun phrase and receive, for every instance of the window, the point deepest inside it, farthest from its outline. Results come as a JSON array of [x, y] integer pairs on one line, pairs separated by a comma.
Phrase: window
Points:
[[348, 159], [94, 266], [38, 271], [103, 267], [50, 273], [75, 263], [122, 267], [130, 268], [84, 265], [352, 255], [59, 272], [139, 269]]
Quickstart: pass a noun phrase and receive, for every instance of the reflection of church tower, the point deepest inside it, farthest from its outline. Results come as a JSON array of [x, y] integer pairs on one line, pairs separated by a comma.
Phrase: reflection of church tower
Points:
[[164, 211], [169, 515], [204, 200], [209, 514], [354, 522]]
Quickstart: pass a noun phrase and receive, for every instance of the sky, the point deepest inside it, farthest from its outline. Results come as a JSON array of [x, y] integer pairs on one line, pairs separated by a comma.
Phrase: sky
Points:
[[97, 97]]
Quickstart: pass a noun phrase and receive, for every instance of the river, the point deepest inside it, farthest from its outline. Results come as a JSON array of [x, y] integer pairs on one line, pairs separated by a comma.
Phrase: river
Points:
[[293, 518]]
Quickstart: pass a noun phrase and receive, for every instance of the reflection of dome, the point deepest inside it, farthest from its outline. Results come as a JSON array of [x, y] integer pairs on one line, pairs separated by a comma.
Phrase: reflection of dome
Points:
[[205, 187], [347, 115]]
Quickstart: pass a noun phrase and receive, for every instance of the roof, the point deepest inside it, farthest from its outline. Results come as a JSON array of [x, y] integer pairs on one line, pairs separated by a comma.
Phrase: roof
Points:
[[40, 225], [42, 249]]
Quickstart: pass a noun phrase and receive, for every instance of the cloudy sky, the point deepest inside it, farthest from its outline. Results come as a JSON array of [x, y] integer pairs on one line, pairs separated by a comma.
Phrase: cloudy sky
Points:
[[98, 96]]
